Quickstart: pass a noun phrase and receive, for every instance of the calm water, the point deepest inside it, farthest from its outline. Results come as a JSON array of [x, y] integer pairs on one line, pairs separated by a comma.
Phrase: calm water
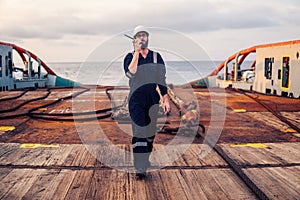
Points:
[[101, 73]]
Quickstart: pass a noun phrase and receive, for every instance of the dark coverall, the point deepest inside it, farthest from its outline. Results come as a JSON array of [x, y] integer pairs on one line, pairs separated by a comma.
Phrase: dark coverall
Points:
[[144, 103]]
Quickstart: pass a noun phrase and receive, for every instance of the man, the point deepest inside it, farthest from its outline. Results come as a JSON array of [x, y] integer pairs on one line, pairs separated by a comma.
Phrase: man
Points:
[[145, 70]]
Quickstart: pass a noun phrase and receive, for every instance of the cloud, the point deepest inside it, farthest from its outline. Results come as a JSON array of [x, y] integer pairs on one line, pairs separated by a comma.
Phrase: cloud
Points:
[[77, 26], [57, 19]]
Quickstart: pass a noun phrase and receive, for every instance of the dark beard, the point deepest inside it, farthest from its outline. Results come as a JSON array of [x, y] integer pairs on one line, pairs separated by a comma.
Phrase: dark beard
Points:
[[144, 44]]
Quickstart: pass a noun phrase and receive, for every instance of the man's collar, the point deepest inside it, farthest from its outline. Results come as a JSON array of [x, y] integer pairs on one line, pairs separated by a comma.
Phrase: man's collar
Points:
[[149, 53]]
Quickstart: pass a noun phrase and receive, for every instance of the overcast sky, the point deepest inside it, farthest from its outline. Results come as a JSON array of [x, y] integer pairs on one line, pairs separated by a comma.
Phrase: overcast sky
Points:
[[58, 30]]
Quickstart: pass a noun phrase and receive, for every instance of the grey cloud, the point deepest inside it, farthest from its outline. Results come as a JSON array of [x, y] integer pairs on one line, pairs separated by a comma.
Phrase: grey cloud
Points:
[[190, 16], [29, 32]]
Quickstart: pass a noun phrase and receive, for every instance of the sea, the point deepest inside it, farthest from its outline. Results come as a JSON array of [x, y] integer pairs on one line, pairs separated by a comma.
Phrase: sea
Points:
[[112, 73]]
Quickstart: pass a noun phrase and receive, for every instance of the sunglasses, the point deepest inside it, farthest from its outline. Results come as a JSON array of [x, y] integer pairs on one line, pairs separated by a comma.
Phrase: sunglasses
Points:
[[141, 35]]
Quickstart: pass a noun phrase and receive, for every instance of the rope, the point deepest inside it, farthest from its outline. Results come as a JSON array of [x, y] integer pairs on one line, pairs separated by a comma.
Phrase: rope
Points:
[[42, 115], [18, 96], [26, 102], [34, 115], [275, 113]]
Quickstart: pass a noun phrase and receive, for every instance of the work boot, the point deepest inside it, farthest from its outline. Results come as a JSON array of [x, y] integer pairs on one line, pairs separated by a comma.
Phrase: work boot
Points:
[[140, 173]]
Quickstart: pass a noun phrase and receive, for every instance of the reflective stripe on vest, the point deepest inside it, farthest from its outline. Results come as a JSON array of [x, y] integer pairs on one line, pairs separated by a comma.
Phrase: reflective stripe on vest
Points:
[[139, 144], [129, 74], [154, 57]]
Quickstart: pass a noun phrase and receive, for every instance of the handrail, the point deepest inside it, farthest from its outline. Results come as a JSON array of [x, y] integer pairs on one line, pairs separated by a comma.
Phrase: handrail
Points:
[[22, 51]]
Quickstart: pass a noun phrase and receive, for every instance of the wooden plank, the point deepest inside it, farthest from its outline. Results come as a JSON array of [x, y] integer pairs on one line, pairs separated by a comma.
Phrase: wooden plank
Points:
[[91, 159], [97, 150], [195, 185], [112, 156], [149, 188], [287, 152], [71, 156], [159, 184], [137, 190], [106, 155], [117, 158], [41, 185], [128, 157], [9, 153], [274, 153], [87, 155], [21, 156], [209, 186], [172, 185], [192, 155], [23, 183], [82, 155], [221, 184], [34, 156], [80, 185], [185, 157], [123, 157], [145, 189], [60, 185], [176, 153], [212, 158], [10, 180], [113, 184], [160, 156], [108, 184], [4, 172], [88, 160], [279, 182], [203, 184], [246, 155], [58, 155], [268, 119], [192, 189], [96, 185], [75, 156], [233, 187], [102, 154], [293, 117], [154, 186], [53, 184], [6, 148], [43, 157]]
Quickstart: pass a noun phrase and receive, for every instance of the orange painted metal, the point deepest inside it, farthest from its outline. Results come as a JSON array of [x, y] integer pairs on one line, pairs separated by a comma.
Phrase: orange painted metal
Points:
[[247, 51], [22, 51]]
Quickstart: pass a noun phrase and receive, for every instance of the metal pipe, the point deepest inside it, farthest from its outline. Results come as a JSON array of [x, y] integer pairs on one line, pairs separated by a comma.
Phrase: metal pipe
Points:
[[236, 66], [28, 65], [39, 67], [225, 70]]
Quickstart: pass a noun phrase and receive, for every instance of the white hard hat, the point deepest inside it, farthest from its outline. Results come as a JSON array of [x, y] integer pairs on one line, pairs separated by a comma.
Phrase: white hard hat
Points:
[[140, 29]]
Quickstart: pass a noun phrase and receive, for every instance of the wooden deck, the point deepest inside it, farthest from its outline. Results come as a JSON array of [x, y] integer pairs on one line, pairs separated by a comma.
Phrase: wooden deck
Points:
[[71, 171]]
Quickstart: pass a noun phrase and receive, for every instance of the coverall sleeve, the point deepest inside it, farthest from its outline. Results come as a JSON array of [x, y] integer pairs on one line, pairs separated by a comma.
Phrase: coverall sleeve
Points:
[[161, 75], [126, 64]]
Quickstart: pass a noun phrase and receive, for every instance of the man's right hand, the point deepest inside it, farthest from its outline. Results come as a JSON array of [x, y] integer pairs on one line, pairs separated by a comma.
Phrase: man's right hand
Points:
[[137, 45]]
